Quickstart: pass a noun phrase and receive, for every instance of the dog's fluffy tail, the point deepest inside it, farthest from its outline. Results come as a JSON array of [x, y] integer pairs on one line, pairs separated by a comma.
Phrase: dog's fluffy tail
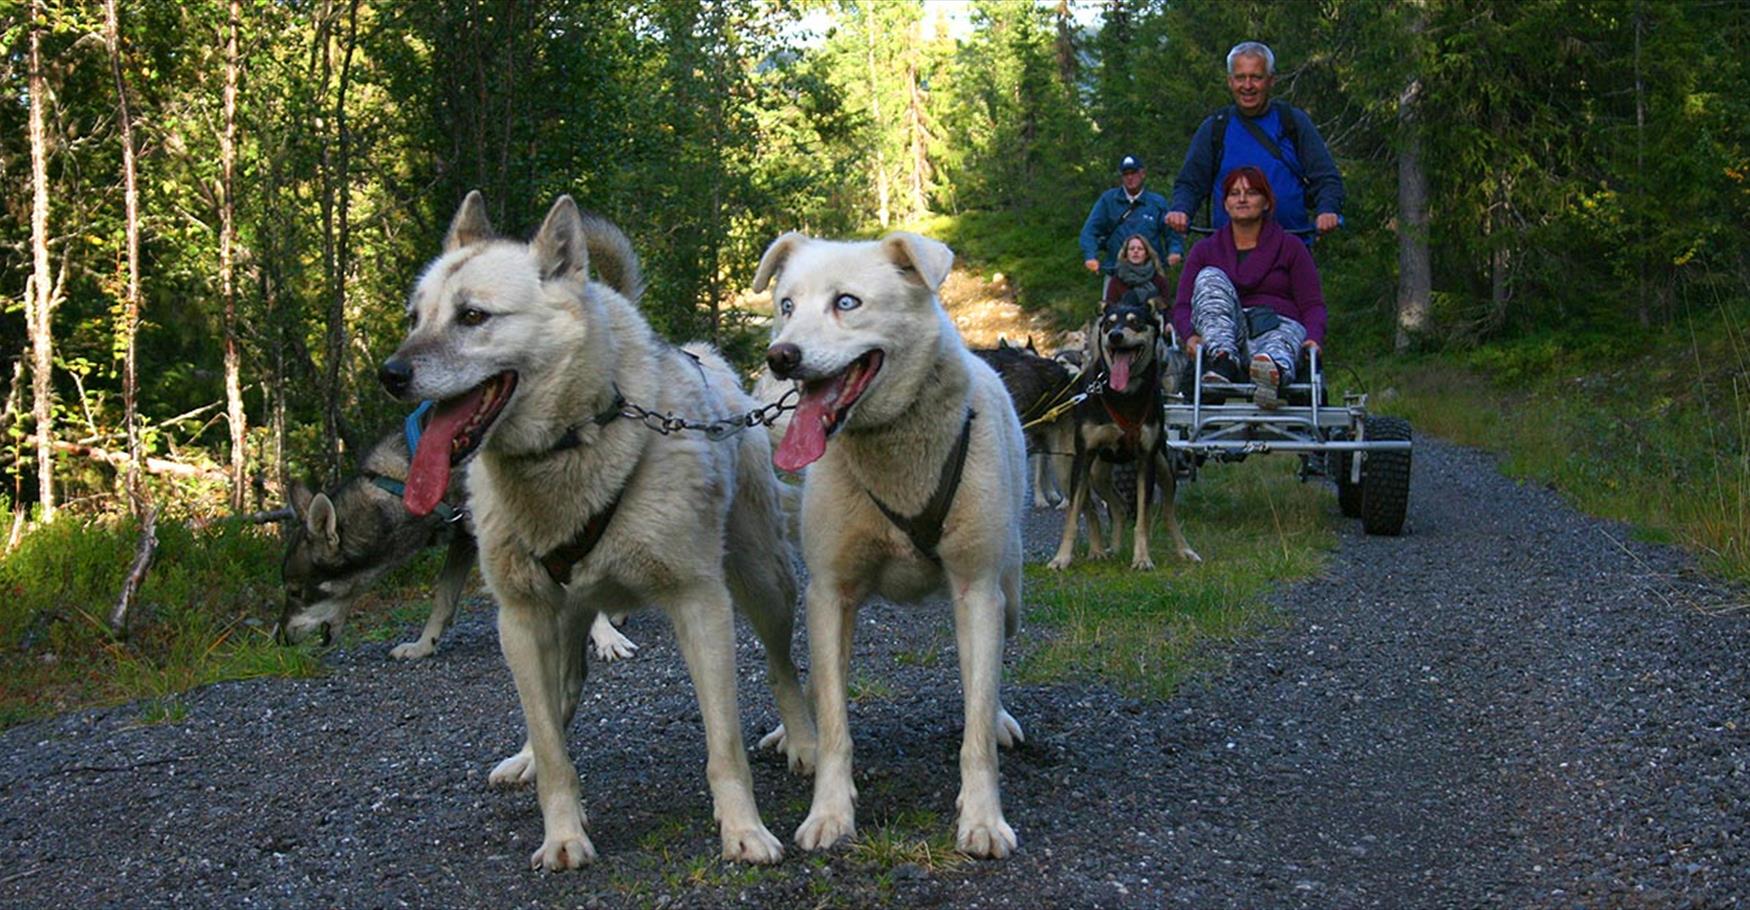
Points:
[[610, 253]]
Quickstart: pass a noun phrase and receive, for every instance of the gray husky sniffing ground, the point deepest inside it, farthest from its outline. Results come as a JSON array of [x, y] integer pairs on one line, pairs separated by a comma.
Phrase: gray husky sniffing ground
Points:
[[348, 537], [1120, 422], [915, 483], [579, 511]]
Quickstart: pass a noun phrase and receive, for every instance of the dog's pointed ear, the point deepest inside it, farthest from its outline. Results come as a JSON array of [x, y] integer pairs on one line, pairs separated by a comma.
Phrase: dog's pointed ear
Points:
[[301, 494], [921, 259], [321, 521], [1003, 343], [470, 225], [1031, 348], [558, 246], [773, 261]]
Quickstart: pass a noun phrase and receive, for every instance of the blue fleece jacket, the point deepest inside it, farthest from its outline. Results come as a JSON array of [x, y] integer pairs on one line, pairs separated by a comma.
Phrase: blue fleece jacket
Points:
[[1307, 156], [1108, 225]]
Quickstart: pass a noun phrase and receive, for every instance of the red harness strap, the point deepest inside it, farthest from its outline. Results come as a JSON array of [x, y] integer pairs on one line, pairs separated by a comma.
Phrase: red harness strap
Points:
[[1132, 427]]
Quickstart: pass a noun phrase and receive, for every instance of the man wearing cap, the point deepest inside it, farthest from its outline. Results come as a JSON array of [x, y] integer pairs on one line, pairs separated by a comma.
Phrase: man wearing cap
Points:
[[1277, 138], [1122, 211]]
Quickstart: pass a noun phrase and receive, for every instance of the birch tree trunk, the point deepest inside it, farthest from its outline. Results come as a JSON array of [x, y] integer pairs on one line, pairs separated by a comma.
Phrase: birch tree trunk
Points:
[[227, 265], [337, 192], [40, 299], [131, 304], [920, 165], [885, 211]]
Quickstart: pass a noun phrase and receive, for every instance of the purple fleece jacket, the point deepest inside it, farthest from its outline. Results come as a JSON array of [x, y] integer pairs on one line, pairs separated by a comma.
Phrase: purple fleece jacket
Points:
[[1278, 274]]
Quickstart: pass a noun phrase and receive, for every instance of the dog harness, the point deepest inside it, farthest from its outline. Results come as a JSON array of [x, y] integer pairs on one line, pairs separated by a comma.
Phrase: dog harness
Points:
[[925, 528], [559, 561]]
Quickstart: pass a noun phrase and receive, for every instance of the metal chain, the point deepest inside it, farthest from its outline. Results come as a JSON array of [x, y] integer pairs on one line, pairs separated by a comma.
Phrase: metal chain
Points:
[[763, 416]]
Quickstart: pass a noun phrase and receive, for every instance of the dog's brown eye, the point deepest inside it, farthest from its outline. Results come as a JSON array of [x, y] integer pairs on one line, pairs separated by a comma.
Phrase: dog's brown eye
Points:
[[472, 316]]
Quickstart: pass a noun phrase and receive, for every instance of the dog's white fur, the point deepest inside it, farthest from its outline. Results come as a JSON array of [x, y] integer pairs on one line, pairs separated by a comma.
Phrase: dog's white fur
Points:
[[697, 520], [893, 445]]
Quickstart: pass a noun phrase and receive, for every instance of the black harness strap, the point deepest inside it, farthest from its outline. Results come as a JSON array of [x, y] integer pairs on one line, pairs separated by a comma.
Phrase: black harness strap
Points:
[[925, 528], [559, 561]]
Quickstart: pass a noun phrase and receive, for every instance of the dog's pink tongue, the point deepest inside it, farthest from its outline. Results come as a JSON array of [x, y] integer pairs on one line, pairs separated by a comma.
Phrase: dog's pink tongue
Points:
[[1120, 379], [428, 477], [805, 441]]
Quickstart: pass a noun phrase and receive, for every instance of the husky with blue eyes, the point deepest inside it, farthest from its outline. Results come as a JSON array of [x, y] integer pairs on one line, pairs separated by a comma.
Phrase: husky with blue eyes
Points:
[[914, 484]]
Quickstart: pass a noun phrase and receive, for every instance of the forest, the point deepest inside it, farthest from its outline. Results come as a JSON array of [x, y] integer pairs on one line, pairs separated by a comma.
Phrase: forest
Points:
[[215, 208]]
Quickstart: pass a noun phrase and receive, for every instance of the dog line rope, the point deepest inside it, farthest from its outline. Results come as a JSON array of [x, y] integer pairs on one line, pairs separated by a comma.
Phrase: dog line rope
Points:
[[666, 424], [1094, 388]]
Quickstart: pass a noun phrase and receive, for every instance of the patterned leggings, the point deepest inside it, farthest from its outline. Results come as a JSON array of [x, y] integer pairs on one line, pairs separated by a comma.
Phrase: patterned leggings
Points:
[[1216, 315]]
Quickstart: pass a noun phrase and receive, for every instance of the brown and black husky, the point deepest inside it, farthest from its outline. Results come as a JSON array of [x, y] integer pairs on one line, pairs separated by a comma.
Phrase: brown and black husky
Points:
[[1118, 423]]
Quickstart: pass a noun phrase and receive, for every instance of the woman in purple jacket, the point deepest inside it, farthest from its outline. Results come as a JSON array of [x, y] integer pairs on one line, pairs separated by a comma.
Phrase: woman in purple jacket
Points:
[[1250, 290]]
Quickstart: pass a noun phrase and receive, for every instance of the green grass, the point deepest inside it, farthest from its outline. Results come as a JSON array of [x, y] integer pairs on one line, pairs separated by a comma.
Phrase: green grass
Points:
[[1256, 527], [203, 615], [916, 837], [1654, 432]]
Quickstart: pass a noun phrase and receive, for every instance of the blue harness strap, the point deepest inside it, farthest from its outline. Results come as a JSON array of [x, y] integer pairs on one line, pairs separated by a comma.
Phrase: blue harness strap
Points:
[[415, 425]]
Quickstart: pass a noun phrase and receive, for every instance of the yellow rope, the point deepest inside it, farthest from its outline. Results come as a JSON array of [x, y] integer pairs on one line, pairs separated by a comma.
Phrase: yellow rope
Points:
[[1058, 410]]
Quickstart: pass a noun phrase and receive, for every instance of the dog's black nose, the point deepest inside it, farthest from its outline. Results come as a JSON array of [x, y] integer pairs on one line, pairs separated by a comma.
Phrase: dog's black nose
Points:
[[783, 359], [1115, 338], [396, 376]]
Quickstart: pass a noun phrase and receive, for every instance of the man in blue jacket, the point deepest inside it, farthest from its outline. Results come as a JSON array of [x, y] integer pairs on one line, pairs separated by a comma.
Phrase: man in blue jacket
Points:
[[1122, 211], [1275, 137]]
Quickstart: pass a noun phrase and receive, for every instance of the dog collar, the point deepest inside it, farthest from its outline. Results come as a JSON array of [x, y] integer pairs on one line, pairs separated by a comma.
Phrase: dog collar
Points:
[[613, 412], [925, 528]]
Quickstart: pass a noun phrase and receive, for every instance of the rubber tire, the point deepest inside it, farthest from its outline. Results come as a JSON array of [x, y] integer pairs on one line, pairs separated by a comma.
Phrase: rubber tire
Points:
[[1385, 479], [1337, 466]]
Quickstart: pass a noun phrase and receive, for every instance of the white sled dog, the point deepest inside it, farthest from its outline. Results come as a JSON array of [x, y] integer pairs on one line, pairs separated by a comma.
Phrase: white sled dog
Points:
[[579, 510], [915, 482]]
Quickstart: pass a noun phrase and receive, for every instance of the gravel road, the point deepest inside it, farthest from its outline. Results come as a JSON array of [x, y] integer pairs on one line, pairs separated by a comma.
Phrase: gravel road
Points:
[[1511, 705]]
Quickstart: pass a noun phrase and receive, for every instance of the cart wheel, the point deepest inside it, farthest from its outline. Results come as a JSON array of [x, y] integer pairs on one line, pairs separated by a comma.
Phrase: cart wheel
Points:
[[1385, 479], [1348, 492]]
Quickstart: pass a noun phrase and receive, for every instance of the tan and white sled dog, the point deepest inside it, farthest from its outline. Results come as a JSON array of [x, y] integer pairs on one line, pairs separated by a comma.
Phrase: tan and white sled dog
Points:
[[578, 510], [915, 482]]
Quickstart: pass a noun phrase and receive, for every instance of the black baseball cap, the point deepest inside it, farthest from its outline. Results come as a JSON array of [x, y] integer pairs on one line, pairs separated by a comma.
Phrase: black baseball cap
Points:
[[1129, 163]]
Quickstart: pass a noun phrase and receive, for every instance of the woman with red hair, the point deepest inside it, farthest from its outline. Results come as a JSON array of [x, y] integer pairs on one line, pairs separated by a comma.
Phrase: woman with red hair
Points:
[[1250, 293]]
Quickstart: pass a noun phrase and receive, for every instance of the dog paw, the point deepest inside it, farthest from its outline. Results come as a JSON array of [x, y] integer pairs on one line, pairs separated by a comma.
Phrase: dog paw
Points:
[[821, 830], [992, 839], [1189, 555], [1058, 563], [558, 854], [1008, 730], [752, 845], [1101, 553], [1143, 564], [515, 771], [609, 644], [797, 754], [1062, 505], [413, 650]]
